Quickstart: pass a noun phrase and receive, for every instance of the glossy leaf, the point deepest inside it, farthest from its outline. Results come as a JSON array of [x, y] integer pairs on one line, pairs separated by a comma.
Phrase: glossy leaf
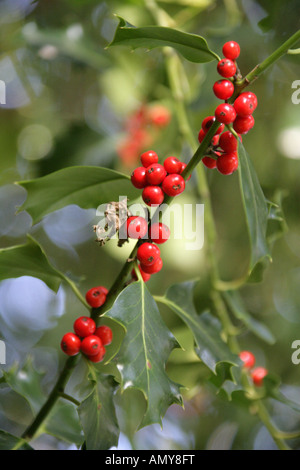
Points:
[[206, 329], [10, 442], [256, 210], [193, 48], [97, 412], [236, 306], [85, 186], [145, 350], [28, 260]]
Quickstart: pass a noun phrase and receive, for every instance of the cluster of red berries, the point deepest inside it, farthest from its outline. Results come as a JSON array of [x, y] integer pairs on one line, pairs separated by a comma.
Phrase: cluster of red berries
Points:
[[87, 339], [156, 180], [259, 373], [142, 128], [223, 149]]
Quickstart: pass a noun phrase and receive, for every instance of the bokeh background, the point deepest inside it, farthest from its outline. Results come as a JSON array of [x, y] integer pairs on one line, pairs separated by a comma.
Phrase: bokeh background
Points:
[[70, 101]]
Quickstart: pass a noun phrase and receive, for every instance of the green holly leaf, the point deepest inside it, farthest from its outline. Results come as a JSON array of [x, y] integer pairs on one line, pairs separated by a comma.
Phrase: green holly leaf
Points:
[[193, 47], [97, 412], [206, 329], [87, 187], [63, 421], [10, 442], [29, 260], [256, 211], [145, 350]]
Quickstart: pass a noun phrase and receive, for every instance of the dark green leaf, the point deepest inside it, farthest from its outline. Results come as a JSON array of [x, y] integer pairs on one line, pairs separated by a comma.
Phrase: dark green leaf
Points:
[[236, 306], [63, 421], [194, 48], [97, 413], [28, 260], [256, 210], [10, 442], [145, 350], [206, 329], [88, 187]]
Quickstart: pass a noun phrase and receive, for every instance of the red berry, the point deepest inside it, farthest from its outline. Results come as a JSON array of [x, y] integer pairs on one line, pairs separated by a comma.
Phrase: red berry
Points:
[[159, 233], [258, 376], [154, 268], [225, 113], [99, 356], [103, 290], [207, 123], [242, 125], [215, 140], [138, 177], [70, 344], [84, 326], [173, 185], [228, 142], [226, 68], [227, 163], [223, 89], [105, 334], [155, 174], [248, 359], [91, 345], [153, 196], [201, 135], [243, 106], [96, 297], [252, 97], [148, 254], [209, 162], [146, 277], [183, 167], [148, 158], [231, 50], [172, 165], [137, 227], [159, 116]]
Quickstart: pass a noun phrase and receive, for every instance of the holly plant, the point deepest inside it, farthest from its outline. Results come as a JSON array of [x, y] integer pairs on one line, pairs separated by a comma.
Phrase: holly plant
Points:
[[121, 340]]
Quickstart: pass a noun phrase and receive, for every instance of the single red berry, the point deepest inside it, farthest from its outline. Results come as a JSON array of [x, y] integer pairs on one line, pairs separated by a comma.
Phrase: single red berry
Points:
[[243, 106], [227, 163], [159, 233], [201, 135], [248, 359], [183, 167], [138, 177], [153, 196], [70, 344], [105, 334], [207, 123], [225, 113], [99, 356], [172, 165], [242, 125], [148, 254], [215, 140], [228, 142], [155, 174], [84, 326], [226, 68], [252, 96], [159, 116], [209, 162], [231, 50], [154, 268], [258, 376], [223, 89], [148, 158], [91, 345], [146, 277], [137, 227], [173, 185], [95, 297]]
